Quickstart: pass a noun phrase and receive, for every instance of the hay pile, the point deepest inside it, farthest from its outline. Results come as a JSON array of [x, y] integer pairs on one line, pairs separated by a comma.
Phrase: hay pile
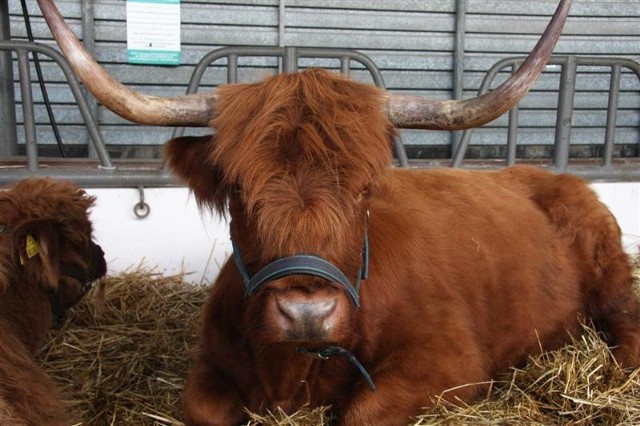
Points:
[[125, 364]]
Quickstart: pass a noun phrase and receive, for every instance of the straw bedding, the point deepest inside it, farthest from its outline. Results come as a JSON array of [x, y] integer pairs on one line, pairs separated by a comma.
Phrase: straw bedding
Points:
[[123, 361]]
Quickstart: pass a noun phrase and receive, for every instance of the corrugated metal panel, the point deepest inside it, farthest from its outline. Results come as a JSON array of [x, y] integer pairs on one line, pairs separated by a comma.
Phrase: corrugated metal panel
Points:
[[411, 41]]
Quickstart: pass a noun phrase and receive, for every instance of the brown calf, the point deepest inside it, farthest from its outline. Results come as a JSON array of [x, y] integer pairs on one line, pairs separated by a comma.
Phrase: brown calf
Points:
[[47, 263]]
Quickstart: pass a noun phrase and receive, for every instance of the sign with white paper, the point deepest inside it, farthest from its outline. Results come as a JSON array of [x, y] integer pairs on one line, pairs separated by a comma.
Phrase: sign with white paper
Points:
[[153, 32]]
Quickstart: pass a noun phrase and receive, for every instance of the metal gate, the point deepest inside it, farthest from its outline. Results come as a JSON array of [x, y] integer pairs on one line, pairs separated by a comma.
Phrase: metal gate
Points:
[[103, 172], [604, 168]]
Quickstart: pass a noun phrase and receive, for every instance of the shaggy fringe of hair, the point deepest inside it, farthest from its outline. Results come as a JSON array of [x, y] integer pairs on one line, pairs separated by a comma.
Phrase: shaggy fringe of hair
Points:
[[331, 137]]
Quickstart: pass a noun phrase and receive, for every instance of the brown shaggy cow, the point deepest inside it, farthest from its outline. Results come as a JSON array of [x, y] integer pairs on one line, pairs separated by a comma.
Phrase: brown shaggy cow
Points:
[[365, 287], [468, 272], [47, 262]]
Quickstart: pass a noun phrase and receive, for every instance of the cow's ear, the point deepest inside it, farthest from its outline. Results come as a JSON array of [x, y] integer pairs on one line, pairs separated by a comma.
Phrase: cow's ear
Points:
[[36, 247], [189, 158]]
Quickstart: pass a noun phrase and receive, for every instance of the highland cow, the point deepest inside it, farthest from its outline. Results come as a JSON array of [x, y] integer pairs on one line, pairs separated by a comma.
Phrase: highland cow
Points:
[[48, 261], [374, 289]]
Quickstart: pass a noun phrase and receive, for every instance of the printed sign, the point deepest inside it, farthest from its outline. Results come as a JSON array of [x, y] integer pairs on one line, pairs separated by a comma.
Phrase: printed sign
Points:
[[153, 32]]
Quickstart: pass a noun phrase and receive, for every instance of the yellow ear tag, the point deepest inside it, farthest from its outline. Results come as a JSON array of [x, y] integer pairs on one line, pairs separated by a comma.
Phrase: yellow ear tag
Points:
[[31, 246]]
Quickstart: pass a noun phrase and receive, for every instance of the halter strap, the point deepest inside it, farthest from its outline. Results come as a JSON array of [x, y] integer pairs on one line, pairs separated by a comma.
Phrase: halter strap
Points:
[[331, 351], [303, 264]]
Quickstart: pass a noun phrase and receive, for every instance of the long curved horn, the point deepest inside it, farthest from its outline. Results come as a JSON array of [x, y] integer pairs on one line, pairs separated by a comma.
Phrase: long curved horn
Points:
[[405, 111], [188, 110], [415, 112]]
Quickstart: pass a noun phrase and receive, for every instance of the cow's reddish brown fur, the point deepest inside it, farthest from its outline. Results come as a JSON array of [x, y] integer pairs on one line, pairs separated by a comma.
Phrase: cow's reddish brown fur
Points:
[[55, 214], [470, 272]]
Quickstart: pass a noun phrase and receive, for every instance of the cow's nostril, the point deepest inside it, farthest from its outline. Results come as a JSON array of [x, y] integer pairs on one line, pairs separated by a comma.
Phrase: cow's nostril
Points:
[[296, 310]]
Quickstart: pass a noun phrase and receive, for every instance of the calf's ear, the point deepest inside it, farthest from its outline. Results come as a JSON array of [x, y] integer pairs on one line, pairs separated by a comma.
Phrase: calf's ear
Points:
[[189, 158], [36, 247]]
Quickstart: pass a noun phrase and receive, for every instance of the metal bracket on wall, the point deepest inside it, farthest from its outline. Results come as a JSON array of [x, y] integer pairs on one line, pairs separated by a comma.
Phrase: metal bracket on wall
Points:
[[141, 209]]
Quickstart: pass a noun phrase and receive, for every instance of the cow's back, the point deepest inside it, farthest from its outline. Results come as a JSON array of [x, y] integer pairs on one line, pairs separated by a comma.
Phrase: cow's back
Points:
[[474, 262]]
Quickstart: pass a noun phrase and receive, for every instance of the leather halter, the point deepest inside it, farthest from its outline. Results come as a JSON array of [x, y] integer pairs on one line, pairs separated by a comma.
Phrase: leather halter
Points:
[[303, 264]]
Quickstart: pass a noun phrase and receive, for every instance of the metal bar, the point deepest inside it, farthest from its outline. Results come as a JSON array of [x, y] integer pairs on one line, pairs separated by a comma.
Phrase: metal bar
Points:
[[458, 61], [88, 26], [565, 114], [459, 48], [225, 52], [31, 143], [8, 135], [561, 60], [512, 130], [161, 177], [364, 60], [75, 88], [282, 28], [281, 22], [95, 177], [100, 148], [461, 149], [612, 114], [604, 61], [463, 143], [232, 68], [345, 65], [100, 178], [290, 59], [89, 41], [512, 136], [617, 174], [232, 54], [266, 51]]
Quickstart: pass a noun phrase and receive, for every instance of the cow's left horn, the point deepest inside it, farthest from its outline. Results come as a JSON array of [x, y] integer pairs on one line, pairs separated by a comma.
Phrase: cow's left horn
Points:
[[414, 112], [188, 110]]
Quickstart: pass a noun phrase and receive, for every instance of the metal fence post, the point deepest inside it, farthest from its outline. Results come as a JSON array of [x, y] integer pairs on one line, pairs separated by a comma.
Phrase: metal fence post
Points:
[[565, 114], [8, 135], [612, 114], [88, 39], [458, 62]]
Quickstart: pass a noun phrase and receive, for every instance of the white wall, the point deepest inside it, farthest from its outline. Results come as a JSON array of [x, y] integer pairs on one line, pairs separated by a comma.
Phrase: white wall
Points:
[[624, 201], [177, 238]]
